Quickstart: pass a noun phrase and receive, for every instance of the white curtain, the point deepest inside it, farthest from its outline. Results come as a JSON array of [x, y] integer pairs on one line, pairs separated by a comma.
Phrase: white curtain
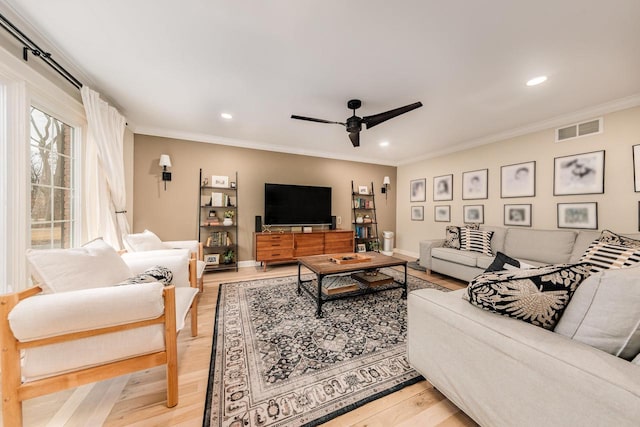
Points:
[[105, 194]]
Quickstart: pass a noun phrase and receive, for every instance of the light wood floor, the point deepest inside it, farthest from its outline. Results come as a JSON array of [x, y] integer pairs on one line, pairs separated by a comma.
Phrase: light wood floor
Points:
[[139, 399]]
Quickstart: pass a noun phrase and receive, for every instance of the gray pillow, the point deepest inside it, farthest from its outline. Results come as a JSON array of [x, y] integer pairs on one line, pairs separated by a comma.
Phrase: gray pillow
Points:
[[604, 312]]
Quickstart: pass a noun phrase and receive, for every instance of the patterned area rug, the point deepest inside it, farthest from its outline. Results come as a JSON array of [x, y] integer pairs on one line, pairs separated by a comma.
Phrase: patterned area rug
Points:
[[274, 364]]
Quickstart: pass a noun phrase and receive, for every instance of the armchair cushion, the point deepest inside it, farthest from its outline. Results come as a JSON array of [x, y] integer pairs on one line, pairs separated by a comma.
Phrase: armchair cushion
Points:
[[154, 274], [94, 265], [176, 260], [43, 316], [145, 241], [192, 245]]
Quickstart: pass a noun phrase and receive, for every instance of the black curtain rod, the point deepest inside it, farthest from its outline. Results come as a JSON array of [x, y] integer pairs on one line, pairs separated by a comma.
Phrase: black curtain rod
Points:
[[31, 46]]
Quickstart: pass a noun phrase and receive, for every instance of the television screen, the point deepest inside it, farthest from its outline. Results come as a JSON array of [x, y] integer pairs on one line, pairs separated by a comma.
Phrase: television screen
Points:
[[296, 205]]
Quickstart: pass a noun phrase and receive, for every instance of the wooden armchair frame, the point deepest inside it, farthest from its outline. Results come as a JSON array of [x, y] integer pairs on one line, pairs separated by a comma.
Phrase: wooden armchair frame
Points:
[[14, 391]]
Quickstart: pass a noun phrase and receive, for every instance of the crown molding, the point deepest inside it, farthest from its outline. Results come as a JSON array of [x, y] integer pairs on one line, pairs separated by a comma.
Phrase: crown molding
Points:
[[555, 122], [255, 145]]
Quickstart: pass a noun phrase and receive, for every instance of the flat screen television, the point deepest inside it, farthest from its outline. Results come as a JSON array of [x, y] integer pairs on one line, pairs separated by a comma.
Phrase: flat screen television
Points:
[[296, 205]]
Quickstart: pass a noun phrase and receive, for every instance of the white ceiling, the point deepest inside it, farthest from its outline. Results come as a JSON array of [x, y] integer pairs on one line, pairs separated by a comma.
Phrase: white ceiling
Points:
[[173, 66]]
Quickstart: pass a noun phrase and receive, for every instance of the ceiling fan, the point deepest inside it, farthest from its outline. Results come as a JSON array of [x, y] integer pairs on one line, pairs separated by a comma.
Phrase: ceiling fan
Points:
[[354, 123]]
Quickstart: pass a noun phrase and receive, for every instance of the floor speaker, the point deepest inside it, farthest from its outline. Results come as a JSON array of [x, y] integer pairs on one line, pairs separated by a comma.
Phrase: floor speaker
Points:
[[258, 224], [333, 223]]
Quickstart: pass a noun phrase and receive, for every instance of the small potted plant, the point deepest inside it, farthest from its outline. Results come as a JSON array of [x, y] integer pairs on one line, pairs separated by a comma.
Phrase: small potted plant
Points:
[[227, 257], [228, 217]]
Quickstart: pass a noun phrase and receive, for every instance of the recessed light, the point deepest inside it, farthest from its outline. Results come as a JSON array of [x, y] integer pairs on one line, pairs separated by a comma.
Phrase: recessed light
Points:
[[226, 116], [537, 80], [384, 144]]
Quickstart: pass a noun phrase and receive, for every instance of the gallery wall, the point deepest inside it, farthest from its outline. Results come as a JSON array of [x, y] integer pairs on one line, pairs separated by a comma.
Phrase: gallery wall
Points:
[[617, 207], [172, 214]]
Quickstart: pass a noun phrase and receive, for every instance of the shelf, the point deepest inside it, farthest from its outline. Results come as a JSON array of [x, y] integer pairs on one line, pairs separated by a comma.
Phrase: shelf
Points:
[[363, 195], [365, 209], [364, 223], [366, 238], [218, 188], [219, 226], [219, 267], [218, 207], [219, 248]]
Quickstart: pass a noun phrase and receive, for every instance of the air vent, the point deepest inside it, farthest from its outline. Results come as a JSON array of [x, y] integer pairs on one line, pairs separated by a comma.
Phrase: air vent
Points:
[[578, 130]]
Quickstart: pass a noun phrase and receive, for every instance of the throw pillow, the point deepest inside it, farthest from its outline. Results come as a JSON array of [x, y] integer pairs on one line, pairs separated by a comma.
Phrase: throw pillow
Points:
[[499, 262], [603, 312], [94, 265], [537, 296], [145, 241], [476, 240], [151, 275], [603, 256], [452, 237], [616, 239]]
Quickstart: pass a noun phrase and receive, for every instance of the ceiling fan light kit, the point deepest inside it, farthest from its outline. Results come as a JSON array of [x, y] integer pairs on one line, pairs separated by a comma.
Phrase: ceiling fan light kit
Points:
[[354, 123]]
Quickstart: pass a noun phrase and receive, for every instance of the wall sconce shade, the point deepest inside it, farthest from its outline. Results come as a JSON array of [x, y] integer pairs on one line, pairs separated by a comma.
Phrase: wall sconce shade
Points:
[[165, 162], [386, 181]]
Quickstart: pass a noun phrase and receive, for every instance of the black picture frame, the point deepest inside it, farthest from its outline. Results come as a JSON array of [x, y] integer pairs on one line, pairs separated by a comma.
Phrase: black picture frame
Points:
[[475, 184], [443, 188], [518, 215], [417, 213], [473, 214], [579, 174], [582, 215], [442, 213], [518, 180], [418, 190]]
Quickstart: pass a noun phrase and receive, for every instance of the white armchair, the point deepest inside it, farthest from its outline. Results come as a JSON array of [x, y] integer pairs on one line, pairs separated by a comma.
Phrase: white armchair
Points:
[[77, 327]]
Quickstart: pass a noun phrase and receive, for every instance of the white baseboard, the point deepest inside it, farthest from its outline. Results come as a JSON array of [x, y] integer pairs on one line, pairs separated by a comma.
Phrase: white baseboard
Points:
[[407, 253], [250, 263]]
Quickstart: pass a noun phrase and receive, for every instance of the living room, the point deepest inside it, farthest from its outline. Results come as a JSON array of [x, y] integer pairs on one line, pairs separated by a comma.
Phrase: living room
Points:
[[479, 123]]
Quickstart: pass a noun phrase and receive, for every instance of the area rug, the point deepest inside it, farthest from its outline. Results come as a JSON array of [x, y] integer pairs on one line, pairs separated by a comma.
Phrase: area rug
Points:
[[274, 364]]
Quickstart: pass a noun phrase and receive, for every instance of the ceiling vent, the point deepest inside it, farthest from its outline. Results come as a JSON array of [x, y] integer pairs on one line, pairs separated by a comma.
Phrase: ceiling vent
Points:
[[578, 130]]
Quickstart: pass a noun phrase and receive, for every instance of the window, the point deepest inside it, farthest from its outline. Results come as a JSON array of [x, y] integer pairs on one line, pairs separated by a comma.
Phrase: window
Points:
[[53, 216]]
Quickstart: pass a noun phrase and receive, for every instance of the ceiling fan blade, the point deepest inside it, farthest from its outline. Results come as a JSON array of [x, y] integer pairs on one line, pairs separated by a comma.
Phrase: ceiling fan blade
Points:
[[376, 119], [311, 119], [355, 138]]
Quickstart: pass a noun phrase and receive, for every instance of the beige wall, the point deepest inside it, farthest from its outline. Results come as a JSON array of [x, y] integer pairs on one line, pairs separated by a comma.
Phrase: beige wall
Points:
[[617, 207], [172, 214]]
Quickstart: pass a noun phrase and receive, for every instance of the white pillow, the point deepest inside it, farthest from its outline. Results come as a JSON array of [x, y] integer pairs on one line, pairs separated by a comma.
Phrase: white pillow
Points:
[[603, 312], [145, 241], [94, 265]]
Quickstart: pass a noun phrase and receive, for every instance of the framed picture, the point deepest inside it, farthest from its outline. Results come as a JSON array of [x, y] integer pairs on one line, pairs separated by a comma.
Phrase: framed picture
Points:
[[418, 190], [361, 247], [579, 174], [232, 184], [578, 215], [442, 213], [473, 214], [517, 215], [474, 184], [212, 214], [443, 188], [636, 168], [417, 213], [363, 189], [220, 181], [518, 180], [212, 259]]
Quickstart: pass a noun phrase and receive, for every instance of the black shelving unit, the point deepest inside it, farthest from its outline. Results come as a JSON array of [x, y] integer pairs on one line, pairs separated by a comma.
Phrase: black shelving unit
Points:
[[364, 220], [216, 237]]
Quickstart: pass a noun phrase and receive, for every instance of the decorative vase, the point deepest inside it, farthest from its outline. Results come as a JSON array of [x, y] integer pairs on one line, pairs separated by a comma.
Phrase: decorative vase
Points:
[[227, 221], [359, 220]]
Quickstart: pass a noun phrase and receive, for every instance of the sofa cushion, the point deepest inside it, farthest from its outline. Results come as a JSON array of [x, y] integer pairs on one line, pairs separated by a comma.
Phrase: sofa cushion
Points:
[[499, 262], [176, 260], [94, 265], [583, 240], [145, 241], [603, 312], [537, 295], [603, 256], [484, 261], [455, 256], [547, 246], [497, 241], [476, 241], [636, 360]]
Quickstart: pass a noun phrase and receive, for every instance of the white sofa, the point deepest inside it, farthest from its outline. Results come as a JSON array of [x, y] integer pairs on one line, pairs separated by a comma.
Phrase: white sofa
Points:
[[505, 372], [535, 247]]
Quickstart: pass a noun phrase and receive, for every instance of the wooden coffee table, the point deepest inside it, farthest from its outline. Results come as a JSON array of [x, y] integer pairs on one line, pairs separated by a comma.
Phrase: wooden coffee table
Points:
[[322, 266]]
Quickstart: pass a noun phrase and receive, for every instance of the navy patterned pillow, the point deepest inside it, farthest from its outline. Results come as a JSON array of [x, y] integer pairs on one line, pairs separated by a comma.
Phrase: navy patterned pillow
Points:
[[616, 239], [153, 274], [499, 262], [452, 237], [537, 296]]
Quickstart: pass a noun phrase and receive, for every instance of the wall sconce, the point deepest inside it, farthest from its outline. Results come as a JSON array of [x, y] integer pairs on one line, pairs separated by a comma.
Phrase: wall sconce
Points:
[[165, 162], [386, 182]]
